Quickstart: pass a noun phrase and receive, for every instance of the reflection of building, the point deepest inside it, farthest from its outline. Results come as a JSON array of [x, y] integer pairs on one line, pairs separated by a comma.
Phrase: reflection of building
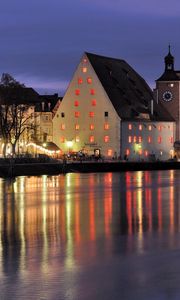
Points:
[[109, 108]]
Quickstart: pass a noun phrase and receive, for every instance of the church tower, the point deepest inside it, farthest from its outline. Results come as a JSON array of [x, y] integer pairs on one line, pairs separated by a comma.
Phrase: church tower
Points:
[[168, 91]]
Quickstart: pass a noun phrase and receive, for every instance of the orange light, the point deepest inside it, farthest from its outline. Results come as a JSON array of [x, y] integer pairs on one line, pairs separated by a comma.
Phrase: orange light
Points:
[[91, 138], [62, 139], [80, 81], [130, 126], [159, 139], [89, 80], [149, 139], [77, 92], [93, 102], [91, 126], [130, 139], [140, 127], [91, 114], [76, 103], [84, 69], [77, 126], [150, 127], [92, 92], [63, 126], [106, 126], [140, 139], [110, 152], [127, 152], [106, 138], [77, 114], [77, 139]]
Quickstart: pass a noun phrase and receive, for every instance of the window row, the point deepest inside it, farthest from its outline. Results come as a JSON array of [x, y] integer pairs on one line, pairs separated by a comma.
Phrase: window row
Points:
[[93, 102], [91, 126], [77, 92], [138, 139], [91, 139], [149, 127], [91, 114], [140, 152], [88, 80]]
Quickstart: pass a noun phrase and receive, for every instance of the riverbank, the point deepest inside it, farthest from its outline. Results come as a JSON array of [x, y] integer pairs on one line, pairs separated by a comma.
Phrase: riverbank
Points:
[[55, 168]]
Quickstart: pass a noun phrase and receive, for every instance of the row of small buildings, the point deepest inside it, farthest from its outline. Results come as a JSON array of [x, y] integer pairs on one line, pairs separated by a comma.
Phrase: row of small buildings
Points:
[[110, 111]]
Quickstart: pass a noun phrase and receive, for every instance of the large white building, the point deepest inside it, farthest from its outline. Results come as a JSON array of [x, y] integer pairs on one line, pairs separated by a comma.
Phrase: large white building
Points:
[[108, 109]]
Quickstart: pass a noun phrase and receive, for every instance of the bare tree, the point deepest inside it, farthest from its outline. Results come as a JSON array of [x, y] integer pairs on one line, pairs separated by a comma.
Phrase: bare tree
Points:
[[15, 118]]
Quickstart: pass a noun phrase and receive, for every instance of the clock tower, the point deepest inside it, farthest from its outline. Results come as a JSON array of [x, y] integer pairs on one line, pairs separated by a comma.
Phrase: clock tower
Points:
[[168, 91]]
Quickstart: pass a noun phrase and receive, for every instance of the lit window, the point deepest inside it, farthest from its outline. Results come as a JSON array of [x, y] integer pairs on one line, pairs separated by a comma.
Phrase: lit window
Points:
[[130, 126], [89, 80], [106, 113], [93, 102], [150, 127], [62, 115], [77, 114], [91, 114], [159, 139], [62, 139], [77, 126], [80, 81], [127, 152], [171, 139], [76, 103], [135, 139], [149, 139], [130, 139], [63, 126], [92, 92], [91, 138], [106, 126], [140, 151], [85, 60], [91, 126], [140, 127], [84, 69], [140, 139], [110, 152], [159, 127], [106, 138], [77, 92], [146, 153], [77, 139]]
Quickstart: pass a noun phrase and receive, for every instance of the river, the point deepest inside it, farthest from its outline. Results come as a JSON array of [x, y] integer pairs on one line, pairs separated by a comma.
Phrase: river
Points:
[[91, 236]]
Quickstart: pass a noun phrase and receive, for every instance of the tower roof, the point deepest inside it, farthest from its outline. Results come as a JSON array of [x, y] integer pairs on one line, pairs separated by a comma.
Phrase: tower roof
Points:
[[169, 72]]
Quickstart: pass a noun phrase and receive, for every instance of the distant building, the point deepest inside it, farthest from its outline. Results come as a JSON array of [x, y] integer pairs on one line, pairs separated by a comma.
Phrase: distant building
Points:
[[108, 109]]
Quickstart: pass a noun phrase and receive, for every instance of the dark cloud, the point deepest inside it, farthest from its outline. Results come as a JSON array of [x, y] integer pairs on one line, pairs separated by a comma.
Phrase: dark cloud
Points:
[[42, 41]]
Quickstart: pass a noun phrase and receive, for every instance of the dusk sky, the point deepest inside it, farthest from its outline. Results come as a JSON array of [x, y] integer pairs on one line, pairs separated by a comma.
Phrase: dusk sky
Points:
[[42, 41]]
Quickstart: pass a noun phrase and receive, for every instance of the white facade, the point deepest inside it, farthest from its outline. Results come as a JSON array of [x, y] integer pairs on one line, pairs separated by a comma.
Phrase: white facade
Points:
[[148, 140], [86, 119]]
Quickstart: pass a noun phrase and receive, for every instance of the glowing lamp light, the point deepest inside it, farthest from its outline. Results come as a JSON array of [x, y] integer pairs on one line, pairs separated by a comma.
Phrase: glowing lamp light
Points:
[[69, 144]]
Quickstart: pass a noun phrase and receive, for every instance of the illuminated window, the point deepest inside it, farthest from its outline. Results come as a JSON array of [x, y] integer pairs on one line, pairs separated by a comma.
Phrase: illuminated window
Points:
[[63, 126], [77, 126], [159, 127], [84, 69], [62, 115], [85, 60], [76, 103], [77, 92], [106, 126], [77, 139], [91, 114], [62, 139], [106, 138], [159, 139], [130, 139], [91, 138], [92, 92], [110, 152], [146, 153], [91, 126], [89, 80], [93, 102], [80, 81], [135, 139], [140, 139], [140, 151], [77, 114], [106, 113], [127, 152], [150, 127], [130, 126], [140, 127], [171, 139], [149, 139]]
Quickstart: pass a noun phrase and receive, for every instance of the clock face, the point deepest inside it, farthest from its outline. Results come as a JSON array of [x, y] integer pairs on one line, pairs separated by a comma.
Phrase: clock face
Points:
[[167, 96]]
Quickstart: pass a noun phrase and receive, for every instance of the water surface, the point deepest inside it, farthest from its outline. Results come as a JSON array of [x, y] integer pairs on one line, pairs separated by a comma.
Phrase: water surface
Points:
[[91, 236]]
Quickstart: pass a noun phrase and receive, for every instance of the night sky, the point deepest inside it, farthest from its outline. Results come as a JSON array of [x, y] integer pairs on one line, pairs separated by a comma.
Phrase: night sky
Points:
[[42, 41]]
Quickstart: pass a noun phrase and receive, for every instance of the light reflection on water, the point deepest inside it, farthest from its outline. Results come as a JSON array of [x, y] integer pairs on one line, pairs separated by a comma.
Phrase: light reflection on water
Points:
[[57, 234]]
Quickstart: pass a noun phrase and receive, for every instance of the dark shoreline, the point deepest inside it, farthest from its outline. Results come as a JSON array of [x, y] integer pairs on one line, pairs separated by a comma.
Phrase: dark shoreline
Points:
[[56, 168]]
